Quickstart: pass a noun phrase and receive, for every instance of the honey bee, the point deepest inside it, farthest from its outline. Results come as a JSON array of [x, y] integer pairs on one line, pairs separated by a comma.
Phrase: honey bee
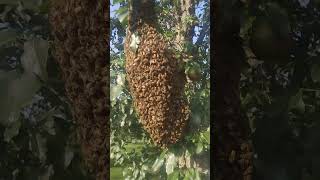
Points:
[[153, 78]]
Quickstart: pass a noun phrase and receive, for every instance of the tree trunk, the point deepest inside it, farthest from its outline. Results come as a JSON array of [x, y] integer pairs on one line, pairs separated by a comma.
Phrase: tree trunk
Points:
[[185, 31], [80, 31], [232, 148]]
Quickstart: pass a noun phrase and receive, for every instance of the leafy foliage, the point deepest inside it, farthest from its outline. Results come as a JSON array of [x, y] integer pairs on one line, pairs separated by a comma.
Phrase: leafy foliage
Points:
[[37, 139], [131, 147], [281, 101]]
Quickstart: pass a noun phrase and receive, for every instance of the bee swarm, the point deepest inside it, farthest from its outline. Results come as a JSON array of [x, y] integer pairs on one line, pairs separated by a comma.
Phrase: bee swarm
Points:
[[157, 86], [80, 32]]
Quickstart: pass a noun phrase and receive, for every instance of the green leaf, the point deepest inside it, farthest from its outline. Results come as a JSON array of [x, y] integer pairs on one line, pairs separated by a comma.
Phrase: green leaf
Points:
[[199, 147], [136, 173], [34, 58], [44, 7], [174, 176], [196, 119], [16, 92], [158, 163], [197, 175], [170, 163], [49, 172], [42, 147], [142, 174], [123, 18], [21, 91], [117, 1], [296, 103], [144, 168], [207, 136], [123, 14], [187, 156], [190, 174], [188, 46], [13, 129], [68, 156], [115, 92], [315, 72], [121, 79], [28, 4], [122, 10], [49, 126], [304, 3], [7, 36], [5, 102], [32, 4]]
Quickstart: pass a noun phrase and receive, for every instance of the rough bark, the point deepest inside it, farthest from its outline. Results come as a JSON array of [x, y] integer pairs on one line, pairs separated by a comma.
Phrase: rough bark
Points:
[[185, 30], [232, 150], [185, 33], [80, 31]]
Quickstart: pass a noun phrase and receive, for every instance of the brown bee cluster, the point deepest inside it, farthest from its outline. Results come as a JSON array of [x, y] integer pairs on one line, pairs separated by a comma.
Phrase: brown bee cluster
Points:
[[157, 86], [80, 32]]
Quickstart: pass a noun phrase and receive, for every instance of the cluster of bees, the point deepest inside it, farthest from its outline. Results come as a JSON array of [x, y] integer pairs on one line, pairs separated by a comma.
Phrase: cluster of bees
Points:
[[80, 43], [157, 85]]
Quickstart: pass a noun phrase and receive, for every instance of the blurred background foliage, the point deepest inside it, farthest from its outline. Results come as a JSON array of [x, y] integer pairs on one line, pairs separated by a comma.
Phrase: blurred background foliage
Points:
[[133, 154], [37, 137], [280, 88]]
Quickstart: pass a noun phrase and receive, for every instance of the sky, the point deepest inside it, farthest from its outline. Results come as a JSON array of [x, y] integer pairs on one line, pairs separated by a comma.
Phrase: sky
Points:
[[199, 10], [113, 8]]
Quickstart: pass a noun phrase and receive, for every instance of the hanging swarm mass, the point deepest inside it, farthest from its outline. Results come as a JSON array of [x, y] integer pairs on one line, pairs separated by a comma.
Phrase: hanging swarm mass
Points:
[[156, 82], [80, 31]]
